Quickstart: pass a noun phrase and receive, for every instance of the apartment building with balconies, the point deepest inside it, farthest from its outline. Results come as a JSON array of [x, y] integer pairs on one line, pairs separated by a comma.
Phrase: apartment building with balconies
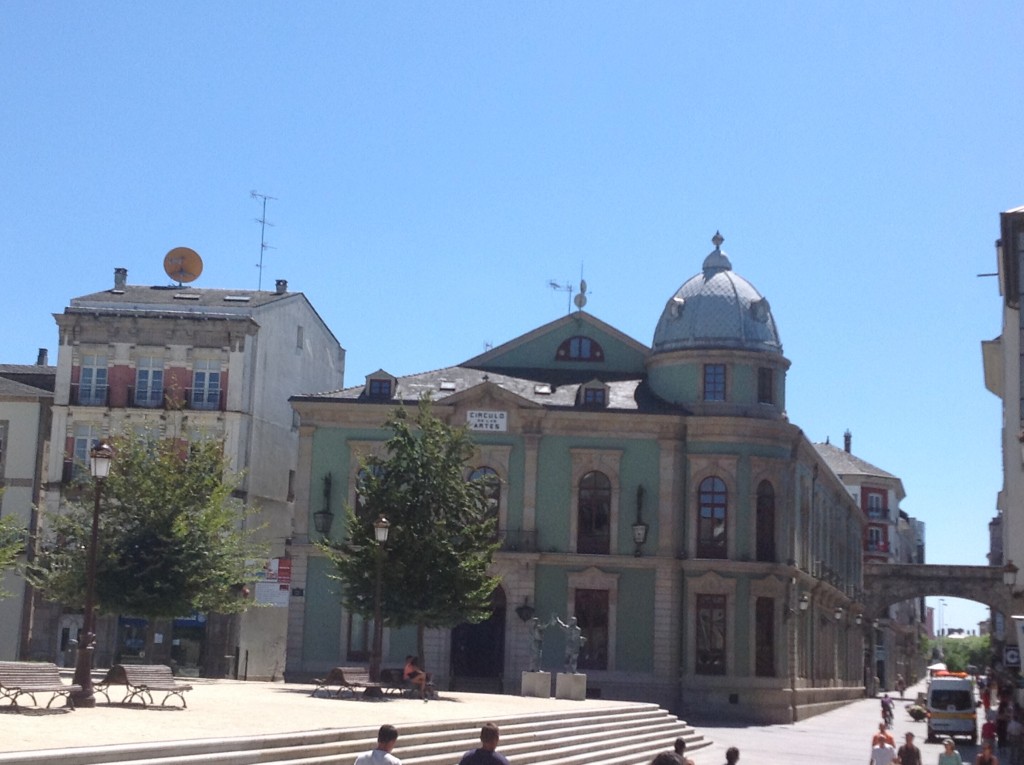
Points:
[[188, 362]]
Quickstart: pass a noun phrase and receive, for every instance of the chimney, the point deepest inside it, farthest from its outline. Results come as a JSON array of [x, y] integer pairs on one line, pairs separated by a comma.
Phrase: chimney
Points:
[[41, 359], [847, 441], [120, 278], [282, 286]]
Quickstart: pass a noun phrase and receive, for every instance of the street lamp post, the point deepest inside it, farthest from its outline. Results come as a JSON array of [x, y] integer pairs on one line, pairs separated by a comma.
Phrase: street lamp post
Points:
[[100, 459], [380, 534]]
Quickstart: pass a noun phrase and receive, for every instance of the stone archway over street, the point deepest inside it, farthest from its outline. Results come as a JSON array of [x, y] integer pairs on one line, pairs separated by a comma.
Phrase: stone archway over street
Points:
[[888, 583]]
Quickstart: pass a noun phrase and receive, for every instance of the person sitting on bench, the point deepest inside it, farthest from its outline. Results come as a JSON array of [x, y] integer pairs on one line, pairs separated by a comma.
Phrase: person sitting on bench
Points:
[[413, 674]]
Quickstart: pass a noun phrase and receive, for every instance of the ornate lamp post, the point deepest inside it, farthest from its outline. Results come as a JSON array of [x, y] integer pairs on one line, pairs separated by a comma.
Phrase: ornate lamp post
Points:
[[100, 459], [380, 533]]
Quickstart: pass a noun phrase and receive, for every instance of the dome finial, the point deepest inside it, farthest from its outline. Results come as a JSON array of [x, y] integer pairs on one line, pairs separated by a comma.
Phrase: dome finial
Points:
[[717, 240]]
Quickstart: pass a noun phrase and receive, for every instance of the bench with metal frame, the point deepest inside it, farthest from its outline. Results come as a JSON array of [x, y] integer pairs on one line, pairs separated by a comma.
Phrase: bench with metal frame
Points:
[[27, 678], [141, 681]]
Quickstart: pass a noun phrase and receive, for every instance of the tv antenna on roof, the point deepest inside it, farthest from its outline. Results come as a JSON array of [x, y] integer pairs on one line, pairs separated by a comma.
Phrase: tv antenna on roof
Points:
[[559, 287], [262, 220]]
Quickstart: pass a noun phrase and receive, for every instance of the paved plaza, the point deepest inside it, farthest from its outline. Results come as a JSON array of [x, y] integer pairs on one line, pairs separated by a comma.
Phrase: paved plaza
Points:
[[224, 708]]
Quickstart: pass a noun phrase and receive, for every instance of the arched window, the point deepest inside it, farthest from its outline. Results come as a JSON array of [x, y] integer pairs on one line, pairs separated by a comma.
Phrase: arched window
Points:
[[765, 522], [490, 484], [595, 503], [579, 348], [711, 518]]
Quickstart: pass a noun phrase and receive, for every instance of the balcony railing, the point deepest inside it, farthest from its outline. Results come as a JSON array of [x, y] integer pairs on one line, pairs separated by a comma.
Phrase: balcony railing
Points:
[[90, 395], [146, 398], [211, 399], [876, 546], [517, 540], [203, 399]]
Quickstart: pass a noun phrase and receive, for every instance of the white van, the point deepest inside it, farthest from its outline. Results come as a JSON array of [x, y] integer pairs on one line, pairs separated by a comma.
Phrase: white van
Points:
[[951, 708]]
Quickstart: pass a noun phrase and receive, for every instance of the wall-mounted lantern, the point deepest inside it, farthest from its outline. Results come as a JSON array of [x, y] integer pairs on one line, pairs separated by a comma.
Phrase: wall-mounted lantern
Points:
[[805, 602], [639, 528], [323, 519]]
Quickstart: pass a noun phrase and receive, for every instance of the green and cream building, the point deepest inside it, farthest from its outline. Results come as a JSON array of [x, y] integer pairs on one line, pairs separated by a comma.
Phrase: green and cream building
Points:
[[659, 494]]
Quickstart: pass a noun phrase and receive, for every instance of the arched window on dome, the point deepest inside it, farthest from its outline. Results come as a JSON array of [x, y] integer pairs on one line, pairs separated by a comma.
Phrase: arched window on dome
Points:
[[712, 514], [579, 348], [765, 522], [594, 505]]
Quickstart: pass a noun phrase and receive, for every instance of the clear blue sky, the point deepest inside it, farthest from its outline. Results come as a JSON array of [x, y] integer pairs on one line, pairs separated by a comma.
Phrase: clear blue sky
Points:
[[437, 163]]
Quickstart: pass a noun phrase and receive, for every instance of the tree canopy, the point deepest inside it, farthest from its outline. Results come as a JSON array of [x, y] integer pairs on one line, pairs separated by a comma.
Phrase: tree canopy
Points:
[[172, 538], [12, 544], [442, 534]]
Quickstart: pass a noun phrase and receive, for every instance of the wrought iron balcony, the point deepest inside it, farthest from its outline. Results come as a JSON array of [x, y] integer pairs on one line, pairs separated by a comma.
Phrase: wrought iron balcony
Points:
[[90, 395], [517, 540]]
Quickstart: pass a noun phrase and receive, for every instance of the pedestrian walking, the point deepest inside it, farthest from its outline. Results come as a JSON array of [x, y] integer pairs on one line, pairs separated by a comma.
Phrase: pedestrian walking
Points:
[[680, 750], [986, 756], [949, 754], [883, 735], [882, 753], [387, 737], [1015, 738], [732, 755], [908, 754], [485, 754], [666, 758]]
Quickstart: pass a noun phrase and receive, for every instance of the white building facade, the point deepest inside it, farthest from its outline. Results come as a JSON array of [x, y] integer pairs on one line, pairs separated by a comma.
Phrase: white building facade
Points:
[[190, 363]]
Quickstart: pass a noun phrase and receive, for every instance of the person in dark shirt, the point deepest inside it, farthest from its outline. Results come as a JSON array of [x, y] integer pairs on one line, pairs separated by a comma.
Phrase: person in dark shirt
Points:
[[485, 754], [909, 754]]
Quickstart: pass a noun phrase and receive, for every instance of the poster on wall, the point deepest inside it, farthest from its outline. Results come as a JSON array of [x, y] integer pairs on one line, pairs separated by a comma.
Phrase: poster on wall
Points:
[[274, 583]]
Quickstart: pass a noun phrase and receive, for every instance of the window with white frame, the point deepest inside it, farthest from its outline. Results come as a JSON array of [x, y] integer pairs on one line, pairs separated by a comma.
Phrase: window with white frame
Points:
[[92, 381], [205, 384], [86, 436], [149, 381]]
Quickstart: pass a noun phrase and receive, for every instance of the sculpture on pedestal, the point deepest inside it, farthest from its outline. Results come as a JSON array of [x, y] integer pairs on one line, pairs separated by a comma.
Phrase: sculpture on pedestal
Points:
[[537, 642], [574, 641]]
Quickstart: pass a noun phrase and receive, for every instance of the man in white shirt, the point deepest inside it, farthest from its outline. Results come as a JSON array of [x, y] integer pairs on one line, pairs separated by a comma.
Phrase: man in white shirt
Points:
[[387, 737], [882, 753]]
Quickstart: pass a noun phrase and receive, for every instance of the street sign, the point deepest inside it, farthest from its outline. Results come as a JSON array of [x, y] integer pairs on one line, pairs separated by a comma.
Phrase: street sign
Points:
[[1011, 656]]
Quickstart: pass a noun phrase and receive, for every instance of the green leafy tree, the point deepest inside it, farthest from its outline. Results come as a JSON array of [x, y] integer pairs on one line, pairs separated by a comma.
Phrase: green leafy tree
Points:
[[12, 544], [961, 652], [172, 538], [442, 536]]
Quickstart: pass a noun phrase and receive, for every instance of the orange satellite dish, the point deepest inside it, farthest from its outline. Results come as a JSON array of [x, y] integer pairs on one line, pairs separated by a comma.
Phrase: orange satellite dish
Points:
[[183, 264]]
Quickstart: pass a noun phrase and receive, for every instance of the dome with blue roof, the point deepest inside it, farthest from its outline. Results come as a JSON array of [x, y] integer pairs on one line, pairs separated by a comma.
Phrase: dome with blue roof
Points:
[[717, 308]]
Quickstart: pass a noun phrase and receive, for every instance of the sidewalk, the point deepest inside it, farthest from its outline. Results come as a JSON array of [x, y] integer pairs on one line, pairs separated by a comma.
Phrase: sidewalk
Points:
[[227, 708]]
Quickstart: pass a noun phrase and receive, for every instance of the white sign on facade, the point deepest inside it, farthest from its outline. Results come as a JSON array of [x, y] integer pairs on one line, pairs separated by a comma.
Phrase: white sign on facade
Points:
[[478, 419]]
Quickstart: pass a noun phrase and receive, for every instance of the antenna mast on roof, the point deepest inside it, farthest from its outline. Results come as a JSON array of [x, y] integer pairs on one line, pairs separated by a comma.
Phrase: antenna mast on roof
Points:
[[262, 220], [559, 287]]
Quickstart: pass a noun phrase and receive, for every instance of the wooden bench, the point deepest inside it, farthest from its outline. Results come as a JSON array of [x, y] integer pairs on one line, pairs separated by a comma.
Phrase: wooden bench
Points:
[[336, 683], [394, 683], [27, 678], [141, 681]]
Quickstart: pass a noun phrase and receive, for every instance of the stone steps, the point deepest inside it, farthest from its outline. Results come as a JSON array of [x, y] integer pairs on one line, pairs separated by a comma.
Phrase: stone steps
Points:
[[627, 735]]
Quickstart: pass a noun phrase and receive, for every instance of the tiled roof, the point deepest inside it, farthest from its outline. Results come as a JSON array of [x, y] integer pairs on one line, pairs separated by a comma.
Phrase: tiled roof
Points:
[[625, 395], [10, 387], [180, 297], [842, 462]]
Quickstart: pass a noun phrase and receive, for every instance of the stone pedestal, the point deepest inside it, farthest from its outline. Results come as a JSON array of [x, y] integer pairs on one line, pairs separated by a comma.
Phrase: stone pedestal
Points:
[[537, 684], [572, 687]]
